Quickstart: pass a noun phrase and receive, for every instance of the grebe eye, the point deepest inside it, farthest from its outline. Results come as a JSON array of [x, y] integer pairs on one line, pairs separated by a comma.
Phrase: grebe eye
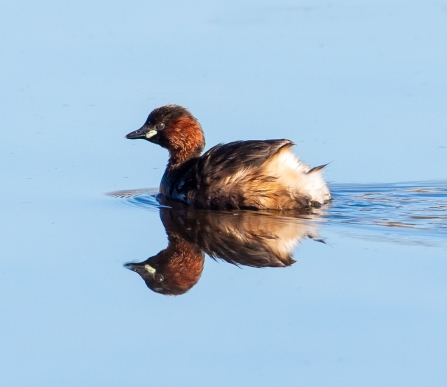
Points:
[[160, 125], [159, 277]]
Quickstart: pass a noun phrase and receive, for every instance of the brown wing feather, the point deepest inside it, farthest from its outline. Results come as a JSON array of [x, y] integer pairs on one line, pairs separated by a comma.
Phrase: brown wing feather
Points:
[[234, 176], [319, 168], [220, 162], [245, 174], [227, 159]]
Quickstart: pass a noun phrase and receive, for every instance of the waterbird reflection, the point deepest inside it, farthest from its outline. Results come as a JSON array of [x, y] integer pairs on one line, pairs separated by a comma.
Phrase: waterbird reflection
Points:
[[404, 213], [242, 238]]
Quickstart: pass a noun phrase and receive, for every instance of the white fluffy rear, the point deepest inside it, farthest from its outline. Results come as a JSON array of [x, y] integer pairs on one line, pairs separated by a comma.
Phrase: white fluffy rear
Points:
[[295, 176]]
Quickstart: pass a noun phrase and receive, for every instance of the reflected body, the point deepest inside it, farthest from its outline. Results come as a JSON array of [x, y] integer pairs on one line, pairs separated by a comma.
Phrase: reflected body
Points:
[[241, 238], [239, 175], [407, 213]]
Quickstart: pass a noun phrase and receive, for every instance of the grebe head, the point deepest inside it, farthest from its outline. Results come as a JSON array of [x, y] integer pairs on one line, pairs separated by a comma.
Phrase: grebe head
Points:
[[174, 270], [173, 127]]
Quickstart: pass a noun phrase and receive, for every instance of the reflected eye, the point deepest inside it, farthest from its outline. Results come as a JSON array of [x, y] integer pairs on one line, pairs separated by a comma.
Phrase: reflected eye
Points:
[[159, 277], [160, 125]]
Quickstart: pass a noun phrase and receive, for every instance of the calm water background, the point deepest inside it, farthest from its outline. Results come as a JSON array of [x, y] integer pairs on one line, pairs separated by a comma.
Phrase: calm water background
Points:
[[363, 86]]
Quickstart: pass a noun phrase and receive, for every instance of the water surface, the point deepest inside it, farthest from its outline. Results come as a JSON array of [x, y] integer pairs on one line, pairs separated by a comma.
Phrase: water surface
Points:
[[412, 212], [360, 86]]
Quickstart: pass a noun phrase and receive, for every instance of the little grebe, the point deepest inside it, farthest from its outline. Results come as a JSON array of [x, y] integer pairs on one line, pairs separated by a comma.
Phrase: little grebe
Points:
[[241, 174]]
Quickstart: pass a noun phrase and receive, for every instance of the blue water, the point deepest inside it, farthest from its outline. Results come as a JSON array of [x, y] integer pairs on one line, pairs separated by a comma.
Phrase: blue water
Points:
[[412, 212], [405, 212], [363, 290], [361, 86]]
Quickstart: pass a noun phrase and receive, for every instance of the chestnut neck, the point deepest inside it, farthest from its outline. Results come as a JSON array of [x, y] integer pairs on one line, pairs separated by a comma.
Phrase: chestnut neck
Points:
[[185, 140]]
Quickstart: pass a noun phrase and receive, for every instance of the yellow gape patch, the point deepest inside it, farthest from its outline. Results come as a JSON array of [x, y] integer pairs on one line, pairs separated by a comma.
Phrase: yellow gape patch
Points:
[[151, 133], [149, 269]]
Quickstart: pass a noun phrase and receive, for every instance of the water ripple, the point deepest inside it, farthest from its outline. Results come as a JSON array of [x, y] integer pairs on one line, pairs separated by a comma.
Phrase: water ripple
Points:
[[420, 206], [404, 212]]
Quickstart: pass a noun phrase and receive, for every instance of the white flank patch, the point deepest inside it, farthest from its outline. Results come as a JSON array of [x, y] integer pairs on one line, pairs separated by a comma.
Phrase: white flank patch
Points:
[[292, 174]]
